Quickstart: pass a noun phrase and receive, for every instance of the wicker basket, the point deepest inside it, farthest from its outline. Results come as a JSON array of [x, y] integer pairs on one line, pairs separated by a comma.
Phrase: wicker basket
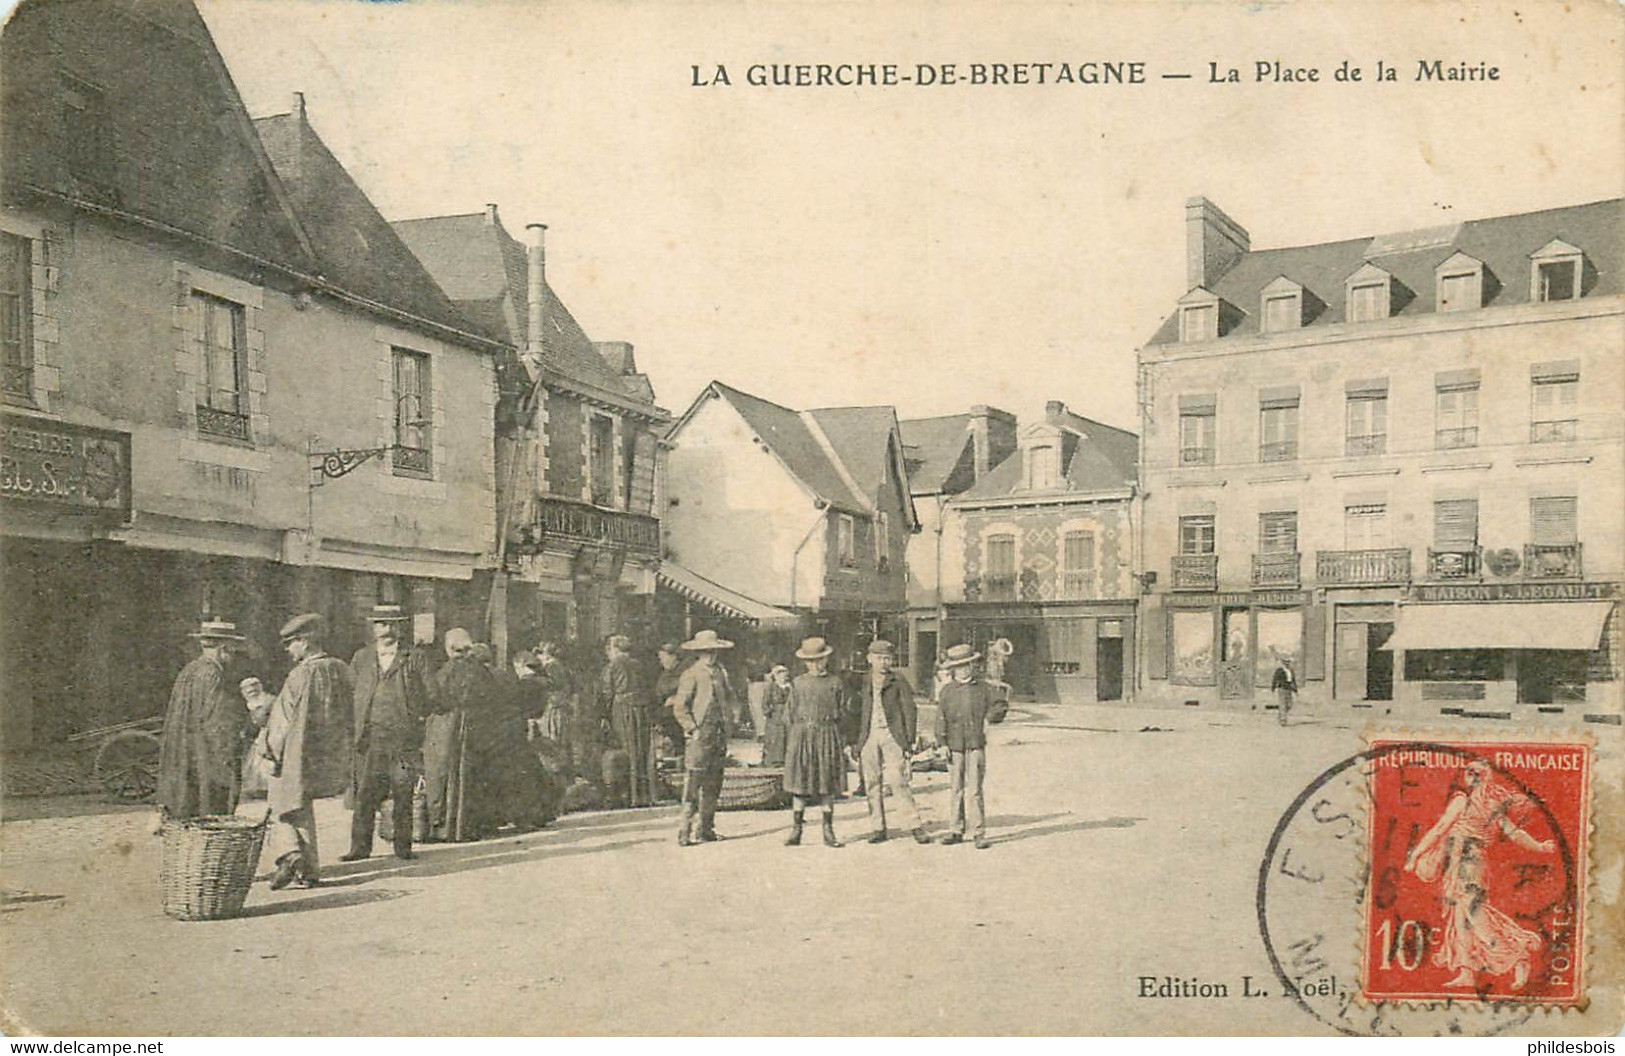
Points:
[[209, 864], [743, 787]]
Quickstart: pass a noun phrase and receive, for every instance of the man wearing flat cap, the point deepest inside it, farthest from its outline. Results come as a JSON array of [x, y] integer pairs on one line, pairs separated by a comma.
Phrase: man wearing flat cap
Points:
[[205, 727], [305, 748], [392, 699], [886, 734]]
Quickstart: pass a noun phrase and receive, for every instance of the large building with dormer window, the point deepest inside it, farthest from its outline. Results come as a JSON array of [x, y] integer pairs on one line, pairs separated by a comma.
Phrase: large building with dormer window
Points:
[[1394, 459]]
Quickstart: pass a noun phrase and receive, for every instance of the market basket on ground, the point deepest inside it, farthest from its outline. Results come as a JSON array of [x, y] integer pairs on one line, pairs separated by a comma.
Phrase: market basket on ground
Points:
[[208, 865], [743, 787]]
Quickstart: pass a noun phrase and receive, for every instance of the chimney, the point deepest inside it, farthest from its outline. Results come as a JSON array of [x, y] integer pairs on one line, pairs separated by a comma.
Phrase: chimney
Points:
[[1053, 410], [297, 107], [535, 289], [491, 214], [618, 354], [993, 437], [1213, 243]]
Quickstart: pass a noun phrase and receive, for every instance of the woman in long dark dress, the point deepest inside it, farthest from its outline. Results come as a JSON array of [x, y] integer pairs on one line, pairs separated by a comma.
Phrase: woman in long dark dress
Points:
[[814, 749], [775, 700]]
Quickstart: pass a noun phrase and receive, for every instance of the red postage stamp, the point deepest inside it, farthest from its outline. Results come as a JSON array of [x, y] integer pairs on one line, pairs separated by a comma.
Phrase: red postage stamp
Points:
[[1477, 872]]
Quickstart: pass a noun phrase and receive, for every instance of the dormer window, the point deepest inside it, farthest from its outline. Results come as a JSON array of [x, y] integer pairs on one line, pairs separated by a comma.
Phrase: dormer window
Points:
[[1281, 306], [1460, 284], [1199, 322], [1042, 467], [1370, 294], [1556, 272]]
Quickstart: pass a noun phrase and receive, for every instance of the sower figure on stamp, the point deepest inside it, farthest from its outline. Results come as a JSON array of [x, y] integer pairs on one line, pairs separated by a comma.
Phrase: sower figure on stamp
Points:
[[702, 703], [392, 698], [305, 748], [622, 691], [1285, 684], [964, 706], [200, 759], [814, 752], [886, 733]]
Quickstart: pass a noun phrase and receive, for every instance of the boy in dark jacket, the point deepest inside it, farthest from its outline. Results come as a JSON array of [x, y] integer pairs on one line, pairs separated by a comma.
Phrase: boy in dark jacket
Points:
[[964, 706]]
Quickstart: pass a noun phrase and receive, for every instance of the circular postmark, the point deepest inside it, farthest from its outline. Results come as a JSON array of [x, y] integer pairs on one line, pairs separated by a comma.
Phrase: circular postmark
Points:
[[1316, 878]]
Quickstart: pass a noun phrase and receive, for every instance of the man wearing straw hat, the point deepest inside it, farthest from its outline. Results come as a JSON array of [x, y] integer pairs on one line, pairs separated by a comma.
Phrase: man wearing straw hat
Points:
[[702, 703], [200, 761], [392, 698], [305, 748], [964, 706]]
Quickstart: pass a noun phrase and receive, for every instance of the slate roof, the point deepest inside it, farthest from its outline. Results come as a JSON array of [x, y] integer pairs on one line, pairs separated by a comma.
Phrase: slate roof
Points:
[[788, 435], [482, 268], [936, 450], [1095, 458], [355, 247], [1503, 243], [862, 439], [169, 140]]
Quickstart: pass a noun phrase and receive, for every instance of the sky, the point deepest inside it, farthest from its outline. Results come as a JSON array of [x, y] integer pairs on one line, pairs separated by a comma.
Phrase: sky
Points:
[[931, 247]]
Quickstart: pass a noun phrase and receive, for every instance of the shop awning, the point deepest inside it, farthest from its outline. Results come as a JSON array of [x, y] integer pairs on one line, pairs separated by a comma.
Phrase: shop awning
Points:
[[1503, 625], [721, 600]]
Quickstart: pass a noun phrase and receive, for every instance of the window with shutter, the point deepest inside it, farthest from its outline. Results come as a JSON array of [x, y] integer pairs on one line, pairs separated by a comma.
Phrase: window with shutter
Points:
[[1455, 524], [1554, 409], [1278, 533], [1078, 564], [1196, 534], [1552, 520], [1365, 527], [1001, 568], [16, 342]]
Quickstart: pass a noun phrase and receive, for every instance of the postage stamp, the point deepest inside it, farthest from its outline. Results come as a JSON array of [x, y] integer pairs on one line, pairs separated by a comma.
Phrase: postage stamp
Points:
[[1476, 880]]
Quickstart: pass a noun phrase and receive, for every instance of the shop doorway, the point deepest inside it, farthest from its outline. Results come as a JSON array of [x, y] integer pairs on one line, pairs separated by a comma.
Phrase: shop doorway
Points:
[[1108, 669], [1361, 668], [925, 660], [1236, 656], [1379, 662]]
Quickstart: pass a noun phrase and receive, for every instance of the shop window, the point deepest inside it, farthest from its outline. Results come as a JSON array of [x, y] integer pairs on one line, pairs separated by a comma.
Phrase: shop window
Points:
[[1196, 534], [1198, 431], [1279, 636], [1191, 643], [1454, 665], [1554, 408], [221, 333], [16, 318], [1551, 676], [1001, 568], [1366, 425]]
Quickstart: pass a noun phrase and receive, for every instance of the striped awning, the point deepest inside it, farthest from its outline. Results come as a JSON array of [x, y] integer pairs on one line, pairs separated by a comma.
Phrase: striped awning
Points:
[[722, 601], [1573, 625]]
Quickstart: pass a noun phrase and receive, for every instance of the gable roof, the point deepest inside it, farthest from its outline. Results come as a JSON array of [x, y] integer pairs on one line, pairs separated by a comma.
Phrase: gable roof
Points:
[[161, 134], [1503, 243], [483, 269], [355, 247], [1095, 458], [935, 450]]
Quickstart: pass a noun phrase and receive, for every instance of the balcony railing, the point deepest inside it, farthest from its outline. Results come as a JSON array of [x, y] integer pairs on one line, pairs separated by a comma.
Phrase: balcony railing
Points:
[[577, 522], [1561, 429], [1196, 456], [1444, 439], [230, 425], [17, 381], [1077, 586], [1552, 561], [1362, 446], [1276, 570], [1282, 451], [1455, 564], [1195, 572], [414, 461], [1363, 566]]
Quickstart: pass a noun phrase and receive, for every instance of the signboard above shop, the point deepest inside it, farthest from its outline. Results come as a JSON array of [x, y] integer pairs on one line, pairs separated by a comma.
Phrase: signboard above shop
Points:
[[62, 467]]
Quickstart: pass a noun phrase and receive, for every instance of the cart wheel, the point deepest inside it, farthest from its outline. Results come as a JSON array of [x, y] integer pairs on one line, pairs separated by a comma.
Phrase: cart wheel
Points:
[[127, 765]]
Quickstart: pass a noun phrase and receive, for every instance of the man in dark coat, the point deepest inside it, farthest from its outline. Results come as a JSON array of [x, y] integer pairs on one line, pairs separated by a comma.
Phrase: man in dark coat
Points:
[[886, 734], [456, 772], [702, 703], [305, 746], [964, 707], [392, 697], [621, 689], [205, 727]]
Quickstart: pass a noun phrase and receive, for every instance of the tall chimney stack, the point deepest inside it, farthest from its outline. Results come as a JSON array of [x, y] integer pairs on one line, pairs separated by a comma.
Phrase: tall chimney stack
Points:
[[993, 437], [297, 107], [535, 289], [1213, 243]]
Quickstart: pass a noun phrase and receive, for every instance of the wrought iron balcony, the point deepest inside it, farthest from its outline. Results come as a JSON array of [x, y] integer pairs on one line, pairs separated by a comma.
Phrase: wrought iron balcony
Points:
[[1195, 572], [577, 522], [1279, 451], [1363, 566], [1445, 439], [211, 421], [1552, 561], [1276, 570], [413, 461], [1196, 456], [1362, 446], [1549, 431], [1455, 564]]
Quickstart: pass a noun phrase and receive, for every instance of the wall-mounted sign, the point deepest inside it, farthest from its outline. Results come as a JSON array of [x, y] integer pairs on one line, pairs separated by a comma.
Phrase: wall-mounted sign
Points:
[[1241, 599], [63, 466], [1516, 592]]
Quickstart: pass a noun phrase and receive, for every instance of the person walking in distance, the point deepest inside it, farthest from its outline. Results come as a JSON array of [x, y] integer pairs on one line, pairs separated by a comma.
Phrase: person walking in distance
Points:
[[965, 705], [886, 733], [814, 753], [1285, 684], [304, 748], [200, 760], [702, 704], [392, 698]]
